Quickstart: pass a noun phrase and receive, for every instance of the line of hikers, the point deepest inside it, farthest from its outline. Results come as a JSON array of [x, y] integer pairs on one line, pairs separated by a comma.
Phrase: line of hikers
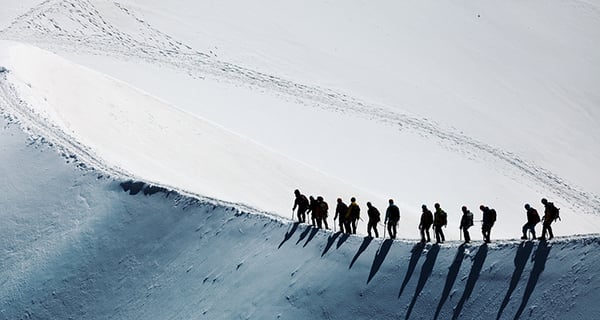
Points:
[[349, 215]]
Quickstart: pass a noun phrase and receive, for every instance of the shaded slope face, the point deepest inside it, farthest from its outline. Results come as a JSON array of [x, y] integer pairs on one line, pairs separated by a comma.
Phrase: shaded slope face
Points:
[[76, 245]]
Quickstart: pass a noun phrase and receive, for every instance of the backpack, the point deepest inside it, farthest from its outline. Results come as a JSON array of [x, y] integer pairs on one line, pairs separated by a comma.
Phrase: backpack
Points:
[[374, 214], [443, 218], [303, 201], [469, 219], [553, 211], [493, 215], [324, 208], [354, 211], [535, 217]]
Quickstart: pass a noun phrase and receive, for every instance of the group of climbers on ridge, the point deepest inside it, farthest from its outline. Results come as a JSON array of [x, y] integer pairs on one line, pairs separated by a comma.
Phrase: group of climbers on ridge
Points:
[[348, 217]]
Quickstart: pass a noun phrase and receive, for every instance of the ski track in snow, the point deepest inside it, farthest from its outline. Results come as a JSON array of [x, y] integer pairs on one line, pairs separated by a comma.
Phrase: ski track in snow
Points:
[[80, 26]]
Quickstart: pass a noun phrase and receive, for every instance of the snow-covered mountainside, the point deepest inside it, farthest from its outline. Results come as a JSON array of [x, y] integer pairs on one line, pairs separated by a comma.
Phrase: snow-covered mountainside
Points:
[[76, 245], [461, 104], [149, 150]]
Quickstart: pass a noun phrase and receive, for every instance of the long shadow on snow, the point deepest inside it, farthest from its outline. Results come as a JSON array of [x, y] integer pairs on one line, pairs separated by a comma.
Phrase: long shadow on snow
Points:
[[330, 241], [426, 270], [343, 239], [539, 263], [311, 236], [366, 241], [289, 233], [479, 259], [417, 250], [451, 278], [523, 252], [304, 234], [380, 257]]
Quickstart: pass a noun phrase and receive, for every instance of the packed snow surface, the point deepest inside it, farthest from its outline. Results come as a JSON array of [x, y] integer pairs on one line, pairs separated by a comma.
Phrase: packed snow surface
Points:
[[186, 125]]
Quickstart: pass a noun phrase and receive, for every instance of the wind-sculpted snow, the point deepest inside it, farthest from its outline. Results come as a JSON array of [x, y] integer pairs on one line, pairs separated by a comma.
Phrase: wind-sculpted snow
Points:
[[110, 28], [77, 244]]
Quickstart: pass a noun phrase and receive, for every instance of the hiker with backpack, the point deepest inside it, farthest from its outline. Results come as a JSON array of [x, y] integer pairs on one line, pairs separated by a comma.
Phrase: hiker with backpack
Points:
[[532, 220], [440, 219], [551, 214], [466, 222], [425, 223], [353, 214], [340, 212], [314, 210], [489, 218], [302, 204], [374, 218], [392, 216], [324, 208]]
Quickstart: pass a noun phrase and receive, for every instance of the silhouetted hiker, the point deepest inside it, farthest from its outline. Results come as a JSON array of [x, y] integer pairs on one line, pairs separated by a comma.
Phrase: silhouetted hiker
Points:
[[489, 217], [440, 219], [340, 212], [425, 224], [392, 216], [374, 218], [302, 204], [314, 210], [532, 220], [324, 209], [466, 222], [551, 214], [353, 214]]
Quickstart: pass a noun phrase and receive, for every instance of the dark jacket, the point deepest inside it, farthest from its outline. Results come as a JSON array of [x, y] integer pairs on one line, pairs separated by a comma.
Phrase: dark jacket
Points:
[[467, 220], [392, 214], [440, 218], [532, 216], [353, 211], [301, 202], [374, 215], [426, 219], [489, 216], [340, 211]]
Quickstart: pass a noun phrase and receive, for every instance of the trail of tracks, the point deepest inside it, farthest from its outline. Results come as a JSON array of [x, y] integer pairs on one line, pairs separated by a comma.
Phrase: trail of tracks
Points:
[[109, 28]]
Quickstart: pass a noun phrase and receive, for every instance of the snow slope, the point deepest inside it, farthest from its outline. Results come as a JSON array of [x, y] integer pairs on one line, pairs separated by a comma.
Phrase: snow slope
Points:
[[148, 138], [75, 245], [440, 105]]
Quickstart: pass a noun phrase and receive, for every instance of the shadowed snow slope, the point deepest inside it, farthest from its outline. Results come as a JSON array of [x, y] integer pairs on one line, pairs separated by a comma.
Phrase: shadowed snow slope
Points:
[[75, 245]]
